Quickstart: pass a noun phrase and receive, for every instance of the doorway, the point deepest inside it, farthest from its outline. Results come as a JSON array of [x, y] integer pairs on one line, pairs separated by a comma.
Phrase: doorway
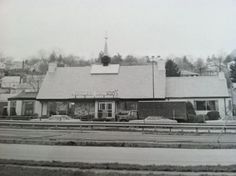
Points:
[[106, 110]]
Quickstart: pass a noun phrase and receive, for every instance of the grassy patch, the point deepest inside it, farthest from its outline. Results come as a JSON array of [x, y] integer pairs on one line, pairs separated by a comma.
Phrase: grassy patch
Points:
[[9, 170], [118, 166]]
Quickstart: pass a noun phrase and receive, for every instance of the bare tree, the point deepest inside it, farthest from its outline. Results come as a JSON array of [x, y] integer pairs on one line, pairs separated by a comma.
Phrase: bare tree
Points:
[[200, 66], [216, 62]]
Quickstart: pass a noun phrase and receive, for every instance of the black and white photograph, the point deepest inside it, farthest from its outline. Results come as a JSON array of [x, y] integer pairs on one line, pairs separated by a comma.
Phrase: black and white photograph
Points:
[[117, 87]]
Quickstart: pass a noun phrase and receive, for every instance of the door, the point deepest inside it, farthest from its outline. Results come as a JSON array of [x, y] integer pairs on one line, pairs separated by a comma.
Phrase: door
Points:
[[105, 110]]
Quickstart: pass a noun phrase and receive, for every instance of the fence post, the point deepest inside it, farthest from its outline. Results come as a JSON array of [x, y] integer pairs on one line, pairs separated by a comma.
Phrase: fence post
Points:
[[81, 128]]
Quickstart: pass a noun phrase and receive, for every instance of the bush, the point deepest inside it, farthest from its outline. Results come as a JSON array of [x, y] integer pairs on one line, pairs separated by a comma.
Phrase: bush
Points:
[[189, 108], [4, 113], [12, 111], [44, 117], [88, 117], [196, 118], [190, 117], [200, 118], [213, 115]]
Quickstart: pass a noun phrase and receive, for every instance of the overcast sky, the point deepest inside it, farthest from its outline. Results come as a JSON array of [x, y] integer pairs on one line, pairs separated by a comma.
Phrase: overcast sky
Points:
[[137, 27]]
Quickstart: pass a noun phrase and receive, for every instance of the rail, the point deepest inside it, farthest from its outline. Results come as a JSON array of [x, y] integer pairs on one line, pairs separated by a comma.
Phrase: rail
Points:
[[118, 125]]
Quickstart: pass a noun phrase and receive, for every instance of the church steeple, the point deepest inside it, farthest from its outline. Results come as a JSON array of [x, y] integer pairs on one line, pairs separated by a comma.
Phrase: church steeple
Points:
[[106, 47], [105, 58]]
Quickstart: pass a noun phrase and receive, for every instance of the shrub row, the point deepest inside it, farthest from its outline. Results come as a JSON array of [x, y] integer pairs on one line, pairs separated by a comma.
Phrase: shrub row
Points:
[[212, 115]]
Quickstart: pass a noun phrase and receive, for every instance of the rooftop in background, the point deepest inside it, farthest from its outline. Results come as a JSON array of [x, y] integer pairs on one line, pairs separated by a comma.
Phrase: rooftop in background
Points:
[[4, 97], [24, 96], [31, 83], [188, 73], [10, 81]]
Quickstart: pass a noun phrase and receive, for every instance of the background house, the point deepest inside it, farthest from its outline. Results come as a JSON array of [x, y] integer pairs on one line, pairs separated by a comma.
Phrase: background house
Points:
[[8, 88], [24, 104], [188, 73], [23, 101]]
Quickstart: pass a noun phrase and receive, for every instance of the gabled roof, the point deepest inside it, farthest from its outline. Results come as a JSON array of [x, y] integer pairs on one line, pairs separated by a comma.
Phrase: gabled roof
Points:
[[4, 97], [130, 82], [196, 87]]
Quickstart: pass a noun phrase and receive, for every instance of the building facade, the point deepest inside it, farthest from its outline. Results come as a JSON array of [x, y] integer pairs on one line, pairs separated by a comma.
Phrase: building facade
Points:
[[100, 90], [103, 91]]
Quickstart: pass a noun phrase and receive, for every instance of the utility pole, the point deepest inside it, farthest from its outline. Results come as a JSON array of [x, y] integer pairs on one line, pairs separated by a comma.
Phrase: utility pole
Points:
[[153, 76], [153, 81]]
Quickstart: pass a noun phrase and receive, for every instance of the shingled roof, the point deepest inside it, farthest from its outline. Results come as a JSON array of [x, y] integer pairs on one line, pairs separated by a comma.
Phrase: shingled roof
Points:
[[196, 87], [132, 82]]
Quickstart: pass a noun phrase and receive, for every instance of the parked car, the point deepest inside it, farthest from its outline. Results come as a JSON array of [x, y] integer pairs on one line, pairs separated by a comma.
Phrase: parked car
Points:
[[154, 119], [58, 118], [125, 116]]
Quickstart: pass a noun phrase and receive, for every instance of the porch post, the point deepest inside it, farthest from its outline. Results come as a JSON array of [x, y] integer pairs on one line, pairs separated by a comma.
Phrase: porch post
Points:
[[113, 109], [96, 109]]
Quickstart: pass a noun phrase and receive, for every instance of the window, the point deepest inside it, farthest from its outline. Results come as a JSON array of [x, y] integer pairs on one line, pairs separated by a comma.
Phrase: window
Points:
[[12, 107], [102, 106], [201, 105], [128, 105], [105, 109], [211, 105], [60, 108]]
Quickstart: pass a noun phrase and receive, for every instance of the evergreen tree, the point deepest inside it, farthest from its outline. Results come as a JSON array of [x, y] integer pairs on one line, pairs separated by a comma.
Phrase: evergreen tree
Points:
[[183, 63], [172, 69], [130, 60], [233, 72], [116, 59]]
